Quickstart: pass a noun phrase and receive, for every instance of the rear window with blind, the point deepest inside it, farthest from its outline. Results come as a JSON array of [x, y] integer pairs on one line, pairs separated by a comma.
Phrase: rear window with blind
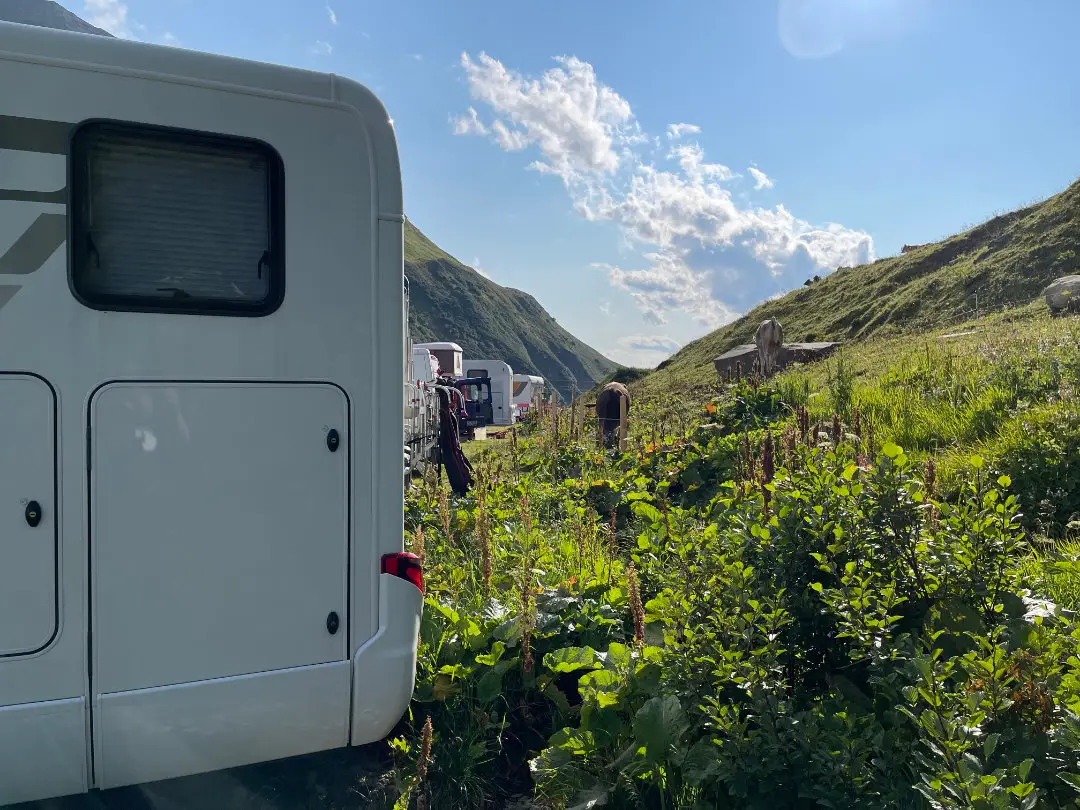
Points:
[[175, 221]]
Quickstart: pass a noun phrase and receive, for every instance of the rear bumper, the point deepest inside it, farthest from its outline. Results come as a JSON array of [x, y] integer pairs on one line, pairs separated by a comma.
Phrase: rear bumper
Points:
[[384, 668]]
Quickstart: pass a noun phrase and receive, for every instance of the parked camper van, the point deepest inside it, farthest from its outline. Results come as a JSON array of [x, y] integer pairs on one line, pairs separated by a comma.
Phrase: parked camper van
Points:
[[527, 387], [502, 383], [448, 354], [200, 497], [424, 364]]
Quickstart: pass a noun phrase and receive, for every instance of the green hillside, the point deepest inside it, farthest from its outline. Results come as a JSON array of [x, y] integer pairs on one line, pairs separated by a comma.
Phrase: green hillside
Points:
[[1003, 263], [449, 301]]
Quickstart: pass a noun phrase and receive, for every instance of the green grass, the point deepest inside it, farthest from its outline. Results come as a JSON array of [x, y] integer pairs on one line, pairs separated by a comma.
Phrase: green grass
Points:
[[659, 629], [1006, 261], [450, 301]]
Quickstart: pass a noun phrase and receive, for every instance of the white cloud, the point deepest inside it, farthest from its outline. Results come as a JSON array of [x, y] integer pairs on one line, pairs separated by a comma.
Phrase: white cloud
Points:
[[323, 48], [700, 249], [762, 180], [332, 15], [419, 57], [111, 15], [676, 131], [643, 351], [476, 266], [579, 125], [605, 308], [668, 284], [168, 38], [692, 159], [469, 124]]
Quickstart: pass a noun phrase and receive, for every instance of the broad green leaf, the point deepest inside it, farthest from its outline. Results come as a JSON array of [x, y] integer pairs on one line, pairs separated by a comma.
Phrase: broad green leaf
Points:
[[891, 450], [701, 762], [659, 725], [599, 680], [1071, 779], [492, 658], [976, 461], [489, 687], [618, 656], [570, 659]]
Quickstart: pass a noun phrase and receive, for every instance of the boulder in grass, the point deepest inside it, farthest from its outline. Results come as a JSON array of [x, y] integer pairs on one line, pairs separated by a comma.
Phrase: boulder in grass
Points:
[[1063, 295]]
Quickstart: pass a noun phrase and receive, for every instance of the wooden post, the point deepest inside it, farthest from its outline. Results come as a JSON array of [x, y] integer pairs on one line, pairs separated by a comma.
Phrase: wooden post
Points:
[[622, 424], [573, 410], [553, 404]]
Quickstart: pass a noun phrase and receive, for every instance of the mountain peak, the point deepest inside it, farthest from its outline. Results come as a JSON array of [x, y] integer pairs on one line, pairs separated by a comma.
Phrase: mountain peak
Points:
[[46, 14]]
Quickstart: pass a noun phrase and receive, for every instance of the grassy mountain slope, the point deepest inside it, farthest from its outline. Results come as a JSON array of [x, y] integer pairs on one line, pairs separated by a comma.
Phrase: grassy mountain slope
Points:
[[449, 301], [1006, 262]]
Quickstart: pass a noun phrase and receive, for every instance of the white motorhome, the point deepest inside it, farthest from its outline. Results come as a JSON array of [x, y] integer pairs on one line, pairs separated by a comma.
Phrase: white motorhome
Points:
[[448, 354], [424, 364], [201, 334], [527, 387], [503, 411], [422, 409]]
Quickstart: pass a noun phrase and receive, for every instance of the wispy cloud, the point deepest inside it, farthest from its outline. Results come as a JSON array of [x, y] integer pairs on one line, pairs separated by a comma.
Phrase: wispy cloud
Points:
[[643, 351], [701, 250], [476, 266], [761, 180], [419, 57], [322, 48], [605, 308], [111, 15], [332, 15], [168, 38], [676, 131]]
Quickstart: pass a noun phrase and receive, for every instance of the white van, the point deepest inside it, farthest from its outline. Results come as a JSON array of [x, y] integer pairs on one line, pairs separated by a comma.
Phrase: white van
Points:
[[201, 280], [503, 411], [448, 356], [424, 364], [527, 387]]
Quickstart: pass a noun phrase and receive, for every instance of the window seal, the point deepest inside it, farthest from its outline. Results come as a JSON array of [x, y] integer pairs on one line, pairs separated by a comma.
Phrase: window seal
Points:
[[152, 304]]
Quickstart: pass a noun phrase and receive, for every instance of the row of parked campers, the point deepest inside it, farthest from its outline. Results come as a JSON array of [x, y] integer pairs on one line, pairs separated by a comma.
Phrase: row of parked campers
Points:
[[491, 394]]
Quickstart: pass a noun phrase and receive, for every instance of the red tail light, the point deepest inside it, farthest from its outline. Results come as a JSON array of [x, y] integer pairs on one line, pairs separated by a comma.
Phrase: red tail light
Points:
[[406, 566]]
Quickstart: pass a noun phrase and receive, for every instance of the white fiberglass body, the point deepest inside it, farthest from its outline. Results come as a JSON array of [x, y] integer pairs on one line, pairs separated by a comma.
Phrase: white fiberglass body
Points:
[[200, 375]]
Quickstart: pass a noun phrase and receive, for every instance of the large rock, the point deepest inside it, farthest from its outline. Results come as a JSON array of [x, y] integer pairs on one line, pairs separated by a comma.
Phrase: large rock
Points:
[[1063, 294], [745, 356]]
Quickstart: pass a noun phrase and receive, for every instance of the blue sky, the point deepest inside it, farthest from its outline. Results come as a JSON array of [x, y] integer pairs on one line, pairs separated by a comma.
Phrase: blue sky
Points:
[[648, 171]]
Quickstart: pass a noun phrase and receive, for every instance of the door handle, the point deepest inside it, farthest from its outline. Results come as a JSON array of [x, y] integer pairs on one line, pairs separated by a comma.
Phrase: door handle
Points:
[[33, 514]]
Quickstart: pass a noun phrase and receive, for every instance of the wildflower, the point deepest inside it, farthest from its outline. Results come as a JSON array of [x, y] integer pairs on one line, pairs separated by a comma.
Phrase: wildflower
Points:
[[804, 424], [837, 428], [527, 619], [748, 458], [931, 475], [444, 514], [767, 468], [856, 422], [789, 445], [484, 536], [636, 608], [579, 535], [418, 544], [526, 514], [423, 764]]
